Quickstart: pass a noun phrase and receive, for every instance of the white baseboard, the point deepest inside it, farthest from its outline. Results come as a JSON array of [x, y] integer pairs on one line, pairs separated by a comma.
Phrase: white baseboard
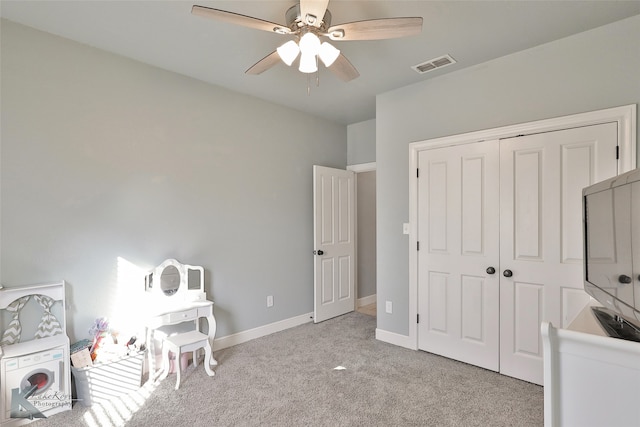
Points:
[[261, 331], [366, 300], [396, 339]]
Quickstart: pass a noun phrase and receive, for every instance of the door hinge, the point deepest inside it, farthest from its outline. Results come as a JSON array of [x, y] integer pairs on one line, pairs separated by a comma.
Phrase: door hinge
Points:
[[418, 318], [417, 173], [617, 152], [418, 246]]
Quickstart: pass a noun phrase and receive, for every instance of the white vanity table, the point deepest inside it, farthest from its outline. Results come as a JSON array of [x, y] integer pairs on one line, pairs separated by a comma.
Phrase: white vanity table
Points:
[[590, 379], [178, 296]]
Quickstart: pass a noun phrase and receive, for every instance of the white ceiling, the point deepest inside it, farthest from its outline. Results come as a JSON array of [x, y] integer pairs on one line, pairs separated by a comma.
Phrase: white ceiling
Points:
[[165, 34]]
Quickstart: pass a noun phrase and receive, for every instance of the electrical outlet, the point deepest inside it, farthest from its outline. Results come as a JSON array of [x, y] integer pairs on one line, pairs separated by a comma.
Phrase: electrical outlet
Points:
[[389, 307], [270, 301]]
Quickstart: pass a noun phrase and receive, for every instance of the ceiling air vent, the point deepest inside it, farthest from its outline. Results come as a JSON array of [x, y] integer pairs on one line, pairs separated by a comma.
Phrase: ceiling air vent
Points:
[[433, 64]]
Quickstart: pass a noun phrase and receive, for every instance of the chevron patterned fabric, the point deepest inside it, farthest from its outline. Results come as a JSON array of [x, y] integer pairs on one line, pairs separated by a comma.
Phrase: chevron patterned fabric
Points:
[[49, 325], [11, 335]]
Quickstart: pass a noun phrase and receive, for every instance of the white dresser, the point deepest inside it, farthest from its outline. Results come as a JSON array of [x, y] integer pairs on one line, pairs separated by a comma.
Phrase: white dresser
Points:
[[590, 379]]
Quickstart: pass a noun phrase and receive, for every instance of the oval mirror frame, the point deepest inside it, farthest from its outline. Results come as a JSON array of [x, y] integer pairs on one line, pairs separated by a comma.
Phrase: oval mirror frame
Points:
[[170, 280]]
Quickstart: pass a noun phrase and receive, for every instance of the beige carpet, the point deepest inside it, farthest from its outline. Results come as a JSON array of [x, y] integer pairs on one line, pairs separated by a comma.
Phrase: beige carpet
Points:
[[289, 379]]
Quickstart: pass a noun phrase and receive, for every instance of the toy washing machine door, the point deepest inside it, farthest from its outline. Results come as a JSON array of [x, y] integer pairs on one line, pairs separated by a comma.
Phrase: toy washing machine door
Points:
[[37, 377], [37, 382]]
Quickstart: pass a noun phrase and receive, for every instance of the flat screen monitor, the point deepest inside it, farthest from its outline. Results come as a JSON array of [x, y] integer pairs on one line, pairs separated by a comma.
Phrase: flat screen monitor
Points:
[[611, 214]]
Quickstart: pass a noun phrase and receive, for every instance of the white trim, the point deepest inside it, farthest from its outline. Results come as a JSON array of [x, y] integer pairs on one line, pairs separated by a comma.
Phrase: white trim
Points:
[[371, 299], [362, 167], [396, 339], [261, 331], [625, 116]]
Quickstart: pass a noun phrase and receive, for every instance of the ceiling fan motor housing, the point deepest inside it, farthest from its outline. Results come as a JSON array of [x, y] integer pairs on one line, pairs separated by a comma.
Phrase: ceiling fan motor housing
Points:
[[295, 21]]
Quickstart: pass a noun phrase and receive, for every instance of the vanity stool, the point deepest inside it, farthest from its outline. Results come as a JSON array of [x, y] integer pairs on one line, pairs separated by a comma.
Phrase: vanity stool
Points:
[[177, 296], [182, 343]]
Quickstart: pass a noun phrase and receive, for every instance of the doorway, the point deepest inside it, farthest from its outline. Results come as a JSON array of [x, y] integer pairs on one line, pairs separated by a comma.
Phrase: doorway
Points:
[[366, 238]]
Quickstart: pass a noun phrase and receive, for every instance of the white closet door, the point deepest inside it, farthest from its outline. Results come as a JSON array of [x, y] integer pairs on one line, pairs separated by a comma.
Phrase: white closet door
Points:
[[458, 236], [541, 182]]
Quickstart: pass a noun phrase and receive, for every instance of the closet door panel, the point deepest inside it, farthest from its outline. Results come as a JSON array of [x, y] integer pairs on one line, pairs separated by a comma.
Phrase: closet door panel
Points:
[[438, 207], [458, 235], [527, 195], [527, 301], [578, 165], [541, 181]]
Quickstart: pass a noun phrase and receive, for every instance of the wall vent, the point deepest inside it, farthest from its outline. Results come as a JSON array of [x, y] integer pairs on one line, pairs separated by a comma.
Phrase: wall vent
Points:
[[433, 64]]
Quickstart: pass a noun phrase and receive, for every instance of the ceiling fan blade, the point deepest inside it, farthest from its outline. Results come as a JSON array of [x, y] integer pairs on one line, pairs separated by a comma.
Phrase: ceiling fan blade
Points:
[[264, 64], [238, 19], [376, 29], [343, 69], [312, 11]]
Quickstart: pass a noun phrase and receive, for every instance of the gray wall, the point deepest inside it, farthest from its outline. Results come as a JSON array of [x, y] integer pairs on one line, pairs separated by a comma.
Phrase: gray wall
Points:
[[361, 142], [593, 70], [110, 166]]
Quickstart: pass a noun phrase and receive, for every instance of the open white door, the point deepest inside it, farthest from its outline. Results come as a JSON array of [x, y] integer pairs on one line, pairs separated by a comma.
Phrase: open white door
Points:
[[334, 242]]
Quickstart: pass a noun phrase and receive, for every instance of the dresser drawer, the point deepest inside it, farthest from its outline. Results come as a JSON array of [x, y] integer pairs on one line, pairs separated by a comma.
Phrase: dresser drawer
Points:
[[182, 316]]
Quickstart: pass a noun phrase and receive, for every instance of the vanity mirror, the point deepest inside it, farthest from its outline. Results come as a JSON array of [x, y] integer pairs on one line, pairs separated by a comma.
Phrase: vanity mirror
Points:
[[170, 280], [177, 281]]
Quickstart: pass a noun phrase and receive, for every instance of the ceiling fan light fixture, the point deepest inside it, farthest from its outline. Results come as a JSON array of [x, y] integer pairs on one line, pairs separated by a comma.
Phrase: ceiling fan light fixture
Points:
[[288, 52], [328, 53], [308, 62], [309, 43], [308, 20]]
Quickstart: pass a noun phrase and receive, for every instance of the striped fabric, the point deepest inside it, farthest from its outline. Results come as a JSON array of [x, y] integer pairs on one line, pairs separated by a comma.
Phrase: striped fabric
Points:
[[49, 325], [11, 335]]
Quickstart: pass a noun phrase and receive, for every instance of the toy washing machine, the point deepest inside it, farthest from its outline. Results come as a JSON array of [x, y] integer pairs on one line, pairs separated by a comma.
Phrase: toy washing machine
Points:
[[34, 366]]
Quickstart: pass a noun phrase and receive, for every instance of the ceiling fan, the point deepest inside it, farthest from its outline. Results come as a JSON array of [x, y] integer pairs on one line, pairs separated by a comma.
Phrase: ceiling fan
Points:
[[309, 22]]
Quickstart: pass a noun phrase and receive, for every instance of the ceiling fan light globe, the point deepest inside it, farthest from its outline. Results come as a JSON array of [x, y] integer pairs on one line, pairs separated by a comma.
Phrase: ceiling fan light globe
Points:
[[288, 52], [328, 53], [310, 43], [308, 63]]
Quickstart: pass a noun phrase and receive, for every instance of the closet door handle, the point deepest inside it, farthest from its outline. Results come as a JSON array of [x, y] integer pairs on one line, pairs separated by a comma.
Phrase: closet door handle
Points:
[[491, 270], [507, 273], [623, 278]]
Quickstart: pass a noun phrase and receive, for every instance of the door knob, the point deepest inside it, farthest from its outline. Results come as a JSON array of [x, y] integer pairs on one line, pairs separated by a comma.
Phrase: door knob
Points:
[[507, 273], [318, 252], [491, 270], [623, 278]]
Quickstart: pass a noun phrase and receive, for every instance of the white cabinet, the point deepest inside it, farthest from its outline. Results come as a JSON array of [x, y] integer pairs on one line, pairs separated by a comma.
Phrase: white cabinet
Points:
[[590, 379]]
